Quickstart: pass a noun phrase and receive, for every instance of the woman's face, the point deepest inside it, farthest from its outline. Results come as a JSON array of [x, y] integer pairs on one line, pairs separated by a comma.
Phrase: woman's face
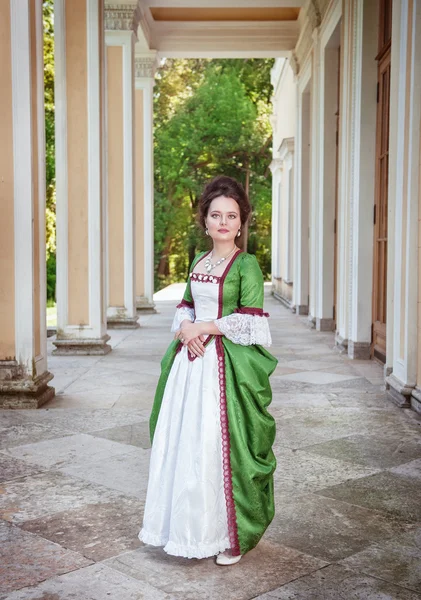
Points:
[[223, 219]]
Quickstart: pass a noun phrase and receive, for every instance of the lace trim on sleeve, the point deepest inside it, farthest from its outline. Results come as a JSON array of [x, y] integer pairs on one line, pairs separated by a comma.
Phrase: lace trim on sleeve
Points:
[[182, 312], [246, 329]]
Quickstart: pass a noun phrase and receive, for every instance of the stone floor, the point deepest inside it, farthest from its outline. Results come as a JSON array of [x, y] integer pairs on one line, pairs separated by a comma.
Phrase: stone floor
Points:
[[348, 482]]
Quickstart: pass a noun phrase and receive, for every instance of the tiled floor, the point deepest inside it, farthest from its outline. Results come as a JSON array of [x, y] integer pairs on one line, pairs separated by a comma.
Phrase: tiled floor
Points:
[[73, 478]]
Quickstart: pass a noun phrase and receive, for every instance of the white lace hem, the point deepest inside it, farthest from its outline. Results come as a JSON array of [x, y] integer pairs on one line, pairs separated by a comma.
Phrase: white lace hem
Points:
[[184, 312], [200, 551], [245, 329]]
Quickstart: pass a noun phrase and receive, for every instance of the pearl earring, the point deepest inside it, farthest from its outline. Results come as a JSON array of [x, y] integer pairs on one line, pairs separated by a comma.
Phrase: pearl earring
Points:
[[207, 231], [239, 233]]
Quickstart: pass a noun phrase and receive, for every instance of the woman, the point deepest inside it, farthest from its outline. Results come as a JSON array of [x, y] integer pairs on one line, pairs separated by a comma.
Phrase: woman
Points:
[[210, 487]]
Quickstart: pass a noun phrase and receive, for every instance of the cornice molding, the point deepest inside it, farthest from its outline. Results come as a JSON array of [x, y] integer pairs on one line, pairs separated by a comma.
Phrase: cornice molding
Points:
[[293, 61], [314, 14], [122, 17]]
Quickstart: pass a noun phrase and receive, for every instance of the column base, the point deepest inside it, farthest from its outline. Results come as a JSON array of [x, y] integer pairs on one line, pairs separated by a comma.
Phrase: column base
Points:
[[117, 322], [325, 324], [144, 306], [311, 321], [416, 399], [85, 347], [18, 391], [359, 350], [398, 393], [301, 309], [341, 343], [282, 299]]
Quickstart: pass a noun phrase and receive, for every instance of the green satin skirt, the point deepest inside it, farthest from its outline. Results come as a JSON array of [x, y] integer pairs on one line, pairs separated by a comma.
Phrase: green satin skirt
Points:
[[249, 461]]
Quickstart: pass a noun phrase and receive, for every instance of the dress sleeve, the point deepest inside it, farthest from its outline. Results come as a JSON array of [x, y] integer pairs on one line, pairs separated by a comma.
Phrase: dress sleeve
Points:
[[184, 310], [248, 324]]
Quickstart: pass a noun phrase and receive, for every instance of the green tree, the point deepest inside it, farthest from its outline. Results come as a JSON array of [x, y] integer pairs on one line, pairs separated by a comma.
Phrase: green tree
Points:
[[222, 126], [48, 21]]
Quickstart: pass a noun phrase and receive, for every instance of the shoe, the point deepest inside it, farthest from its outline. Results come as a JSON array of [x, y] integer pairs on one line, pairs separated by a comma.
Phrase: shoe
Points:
[[227, 559]]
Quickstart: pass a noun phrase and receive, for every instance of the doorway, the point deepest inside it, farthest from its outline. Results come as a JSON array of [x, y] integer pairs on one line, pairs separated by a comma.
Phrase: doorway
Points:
[[378, 350]]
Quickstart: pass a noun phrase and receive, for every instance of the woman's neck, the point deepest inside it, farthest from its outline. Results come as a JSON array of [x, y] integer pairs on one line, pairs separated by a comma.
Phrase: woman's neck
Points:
[[221, 249]]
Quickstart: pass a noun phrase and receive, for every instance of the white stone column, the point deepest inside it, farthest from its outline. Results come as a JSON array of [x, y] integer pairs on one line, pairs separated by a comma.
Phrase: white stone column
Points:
[[23, 333], [276, 169], [314, 177], [324, 163], [120, 38], [79, 81], [286, 154], [301, 194], [362, 185], [404, 190], [145, 66], [356, 177]]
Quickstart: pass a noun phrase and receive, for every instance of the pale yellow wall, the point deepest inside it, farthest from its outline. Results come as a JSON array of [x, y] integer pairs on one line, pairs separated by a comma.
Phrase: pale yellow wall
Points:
[[139, 153], [115, 174], [7, 268], [77, 157], [35, 182]]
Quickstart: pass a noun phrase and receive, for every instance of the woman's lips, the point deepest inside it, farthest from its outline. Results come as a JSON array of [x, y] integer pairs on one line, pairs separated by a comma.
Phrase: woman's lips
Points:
[[223, 230]]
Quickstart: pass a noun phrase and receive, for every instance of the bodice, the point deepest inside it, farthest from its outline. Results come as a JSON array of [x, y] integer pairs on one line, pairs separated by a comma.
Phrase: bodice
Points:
[[205, 295]]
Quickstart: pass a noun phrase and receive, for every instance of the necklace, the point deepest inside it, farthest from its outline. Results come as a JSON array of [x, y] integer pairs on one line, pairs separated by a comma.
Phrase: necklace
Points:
[[209, 266]]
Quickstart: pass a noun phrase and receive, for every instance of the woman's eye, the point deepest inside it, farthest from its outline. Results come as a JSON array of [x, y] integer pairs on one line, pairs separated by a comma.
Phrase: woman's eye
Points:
[[232, 216]]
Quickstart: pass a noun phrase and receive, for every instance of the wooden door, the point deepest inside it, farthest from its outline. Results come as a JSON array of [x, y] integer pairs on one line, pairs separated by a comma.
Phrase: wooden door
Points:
[[381, 185]]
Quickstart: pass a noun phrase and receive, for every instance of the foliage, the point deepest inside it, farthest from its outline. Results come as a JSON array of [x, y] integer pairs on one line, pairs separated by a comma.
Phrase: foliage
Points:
[[48, 22], [213, 119]]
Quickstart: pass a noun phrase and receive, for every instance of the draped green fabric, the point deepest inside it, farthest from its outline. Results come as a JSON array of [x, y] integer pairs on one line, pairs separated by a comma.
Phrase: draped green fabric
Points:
[[248, 393]]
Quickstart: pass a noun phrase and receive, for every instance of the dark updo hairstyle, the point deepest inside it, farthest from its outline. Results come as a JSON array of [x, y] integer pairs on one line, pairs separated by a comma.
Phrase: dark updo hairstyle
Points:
[[228, 187]]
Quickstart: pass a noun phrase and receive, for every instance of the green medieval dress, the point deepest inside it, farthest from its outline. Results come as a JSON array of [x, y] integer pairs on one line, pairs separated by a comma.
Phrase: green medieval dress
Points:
[[211, 472]]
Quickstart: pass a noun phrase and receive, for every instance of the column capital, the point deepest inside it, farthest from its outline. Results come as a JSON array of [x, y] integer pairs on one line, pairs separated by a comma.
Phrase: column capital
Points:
[[286, 148], [145, 65], [122, 17], [275, 165]]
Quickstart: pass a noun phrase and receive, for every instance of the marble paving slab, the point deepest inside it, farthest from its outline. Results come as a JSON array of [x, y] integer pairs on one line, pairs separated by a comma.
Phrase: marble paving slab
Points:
[[134, 435], [13, 468], [397, 560], [87, 420], [71, 450], [262, 569], [26, 559], [96, 582], [392, 493], [96, 531], [48, 493], [314, 377], [339, 583], [26, 433], [369, 450], [300, 472], [328, 528], [126, 473]]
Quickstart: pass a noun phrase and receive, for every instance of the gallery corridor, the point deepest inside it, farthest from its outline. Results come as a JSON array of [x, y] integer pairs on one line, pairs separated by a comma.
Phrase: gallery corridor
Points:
[[348, 481]]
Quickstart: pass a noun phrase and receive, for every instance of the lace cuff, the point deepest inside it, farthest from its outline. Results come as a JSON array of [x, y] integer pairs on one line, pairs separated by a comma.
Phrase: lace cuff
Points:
[[245, 329], [182, 312]]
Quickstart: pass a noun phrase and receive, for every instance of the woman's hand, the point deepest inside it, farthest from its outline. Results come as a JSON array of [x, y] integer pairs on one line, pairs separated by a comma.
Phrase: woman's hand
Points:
[[190, 335]]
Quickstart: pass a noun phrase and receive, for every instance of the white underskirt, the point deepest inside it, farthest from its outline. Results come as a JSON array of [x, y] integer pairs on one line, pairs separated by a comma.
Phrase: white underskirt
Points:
[[185, 507]]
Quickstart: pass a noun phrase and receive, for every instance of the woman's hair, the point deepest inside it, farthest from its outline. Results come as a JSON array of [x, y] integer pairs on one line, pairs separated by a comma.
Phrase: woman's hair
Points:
[[228, 187]]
